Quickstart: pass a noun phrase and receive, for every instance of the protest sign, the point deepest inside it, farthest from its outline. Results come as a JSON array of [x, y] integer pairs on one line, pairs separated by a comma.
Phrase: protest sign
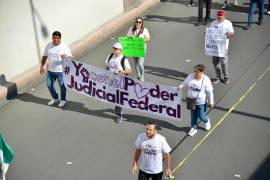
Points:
[[133, 47], [215, 42], [107, 87]]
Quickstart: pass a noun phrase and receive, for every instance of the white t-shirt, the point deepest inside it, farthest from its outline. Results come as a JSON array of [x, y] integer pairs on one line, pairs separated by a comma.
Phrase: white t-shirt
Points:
[[54, 56], [203, 87], [152, 152], [226, 25], [115, 63], [144, 34]]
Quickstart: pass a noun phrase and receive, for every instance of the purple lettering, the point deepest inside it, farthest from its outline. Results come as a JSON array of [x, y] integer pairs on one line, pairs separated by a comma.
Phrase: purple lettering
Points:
[[77, 67], [165, 95], [128, 82]]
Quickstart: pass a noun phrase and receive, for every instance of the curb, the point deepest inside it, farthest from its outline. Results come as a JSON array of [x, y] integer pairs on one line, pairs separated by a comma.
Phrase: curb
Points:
[[32, 77]]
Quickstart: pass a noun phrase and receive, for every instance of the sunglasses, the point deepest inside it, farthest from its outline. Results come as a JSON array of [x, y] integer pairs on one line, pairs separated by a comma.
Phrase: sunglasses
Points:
[[138, 22]]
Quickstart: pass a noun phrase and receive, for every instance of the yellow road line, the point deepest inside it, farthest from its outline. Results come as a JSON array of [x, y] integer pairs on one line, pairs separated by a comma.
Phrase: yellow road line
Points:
[[220, 121]]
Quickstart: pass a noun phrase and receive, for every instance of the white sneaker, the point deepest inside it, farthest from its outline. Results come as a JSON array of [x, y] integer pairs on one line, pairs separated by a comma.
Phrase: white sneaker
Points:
[[52, 102], [62, 104], [268, 12], [208, 125], [192, 132]]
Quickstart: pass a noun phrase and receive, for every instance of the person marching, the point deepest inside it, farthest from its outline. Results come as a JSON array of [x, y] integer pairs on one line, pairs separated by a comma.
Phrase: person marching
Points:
[[221, 63], [151, 147], [117, 63], [138, 30], [200, 93], [54, 53]]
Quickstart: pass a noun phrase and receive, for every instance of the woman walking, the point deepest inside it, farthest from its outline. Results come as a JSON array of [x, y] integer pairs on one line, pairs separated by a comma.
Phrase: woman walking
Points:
[[138, 30], [200, 93]]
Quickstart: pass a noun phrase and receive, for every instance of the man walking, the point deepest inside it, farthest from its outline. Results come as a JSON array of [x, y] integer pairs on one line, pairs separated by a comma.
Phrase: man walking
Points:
[[151, 147], [221, 63], [117, 63], [54, 52], [251, 11], [208, 4]]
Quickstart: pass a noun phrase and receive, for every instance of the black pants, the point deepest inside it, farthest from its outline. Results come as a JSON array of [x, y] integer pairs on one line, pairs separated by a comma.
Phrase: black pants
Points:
[[208, 4], [146, 176]]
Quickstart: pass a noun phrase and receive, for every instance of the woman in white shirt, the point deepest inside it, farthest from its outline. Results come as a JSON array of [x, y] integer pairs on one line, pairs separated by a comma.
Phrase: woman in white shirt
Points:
[[138, 30], [199, 88]]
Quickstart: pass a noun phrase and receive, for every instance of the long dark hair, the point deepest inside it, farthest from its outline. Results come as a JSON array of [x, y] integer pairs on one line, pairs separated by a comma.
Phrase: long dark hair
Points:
[[134, 26]]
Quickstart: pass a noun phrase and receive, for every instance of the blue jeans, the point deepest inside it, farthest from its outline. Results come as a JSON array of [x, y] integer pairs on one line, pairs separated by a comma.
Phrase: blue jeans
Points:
[[199, 112], [51, 77], [252, 8], [139, 66]]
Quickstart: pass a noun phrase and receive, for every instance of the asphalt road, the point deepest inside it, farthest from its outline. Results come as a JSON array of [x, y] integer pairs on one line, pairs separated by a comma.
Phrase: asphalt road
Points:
[[82, 141]]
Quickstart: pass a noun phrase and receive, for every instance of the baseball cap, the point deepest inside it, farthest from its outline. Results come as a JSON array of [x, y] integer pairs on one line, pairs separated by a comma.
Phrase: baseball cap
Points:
[[117, 45], [221, 12]]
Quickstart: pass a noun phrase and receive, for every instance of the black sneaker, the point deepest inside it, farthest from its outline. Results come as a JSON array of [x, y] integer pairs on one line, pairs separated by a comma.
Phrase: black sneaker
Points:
[[198, 23], [207, 21], [215, 81], [226, 80], [260, 22], [246, 27]]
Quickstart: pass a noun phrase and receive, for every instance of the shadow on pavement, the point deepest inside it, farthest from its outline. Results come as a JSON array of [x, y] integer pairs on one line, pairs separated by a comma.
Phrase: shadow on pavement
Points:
[[244, 113], [165, 72], [263, 170], [215, 5], [80, 108]]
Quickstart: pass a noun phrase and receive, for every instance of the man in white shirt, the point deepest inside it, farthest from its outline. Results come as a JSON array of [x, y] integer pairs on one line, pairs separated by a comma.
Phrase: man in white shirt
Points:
[[221, 63], [117, 63], [54, 52], [151, 147]]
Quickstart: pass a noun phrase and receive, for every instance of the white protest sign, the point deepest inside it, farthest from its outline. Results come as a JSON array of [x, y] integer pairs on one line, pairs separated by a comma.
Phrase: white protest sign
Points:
[[215, 42], [105, 86]]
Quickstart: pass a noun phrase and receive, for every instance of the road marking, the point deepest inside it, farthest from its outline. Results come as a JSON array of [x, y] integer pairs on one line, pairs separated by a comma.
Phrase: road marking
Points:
[[221, 120], [188, 60], [237, 175], [69, 163]]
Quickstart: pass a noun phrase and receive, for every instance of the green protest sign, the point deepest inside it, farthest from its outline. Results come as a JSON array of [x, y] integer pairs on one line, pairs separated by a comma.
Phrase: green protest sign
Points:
[[133, 47]]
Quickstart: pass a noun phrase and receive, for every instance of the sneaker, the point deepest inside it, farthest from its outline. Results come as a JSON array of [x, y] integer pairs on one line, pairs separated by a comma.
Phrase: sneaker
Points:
[[268, 12], [52, 102], [215, 81], [208, 125], [198, 23], [206, 22], [62, 104], [119, 119], [192, 132], [189, 5], [247, 27], [226, 80], [260, 22], [142, 78]]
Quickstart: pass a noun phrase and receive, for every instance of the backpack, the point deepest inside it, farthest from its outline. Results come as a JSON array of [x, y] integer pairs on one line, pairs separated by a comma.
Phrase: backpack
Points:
[[122, 60]]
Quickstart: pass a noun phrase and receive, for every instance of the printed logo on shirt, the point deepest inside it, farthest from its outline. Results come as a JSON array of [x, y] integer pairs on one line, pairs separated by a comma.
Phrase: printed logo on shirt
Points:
[[150, 149], [195, 88]]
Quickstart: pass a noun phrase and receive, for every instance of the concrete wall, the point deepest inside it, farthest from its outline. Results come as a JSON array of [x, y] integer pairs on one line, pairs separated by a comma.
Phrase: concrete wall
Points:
[[26, 27]]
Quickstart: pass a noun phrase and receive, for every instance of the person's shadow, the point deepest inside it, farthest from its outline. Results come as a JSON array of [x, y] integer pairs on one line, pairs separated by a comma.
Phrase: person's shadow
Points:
[[165, 72], [104, 113]]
